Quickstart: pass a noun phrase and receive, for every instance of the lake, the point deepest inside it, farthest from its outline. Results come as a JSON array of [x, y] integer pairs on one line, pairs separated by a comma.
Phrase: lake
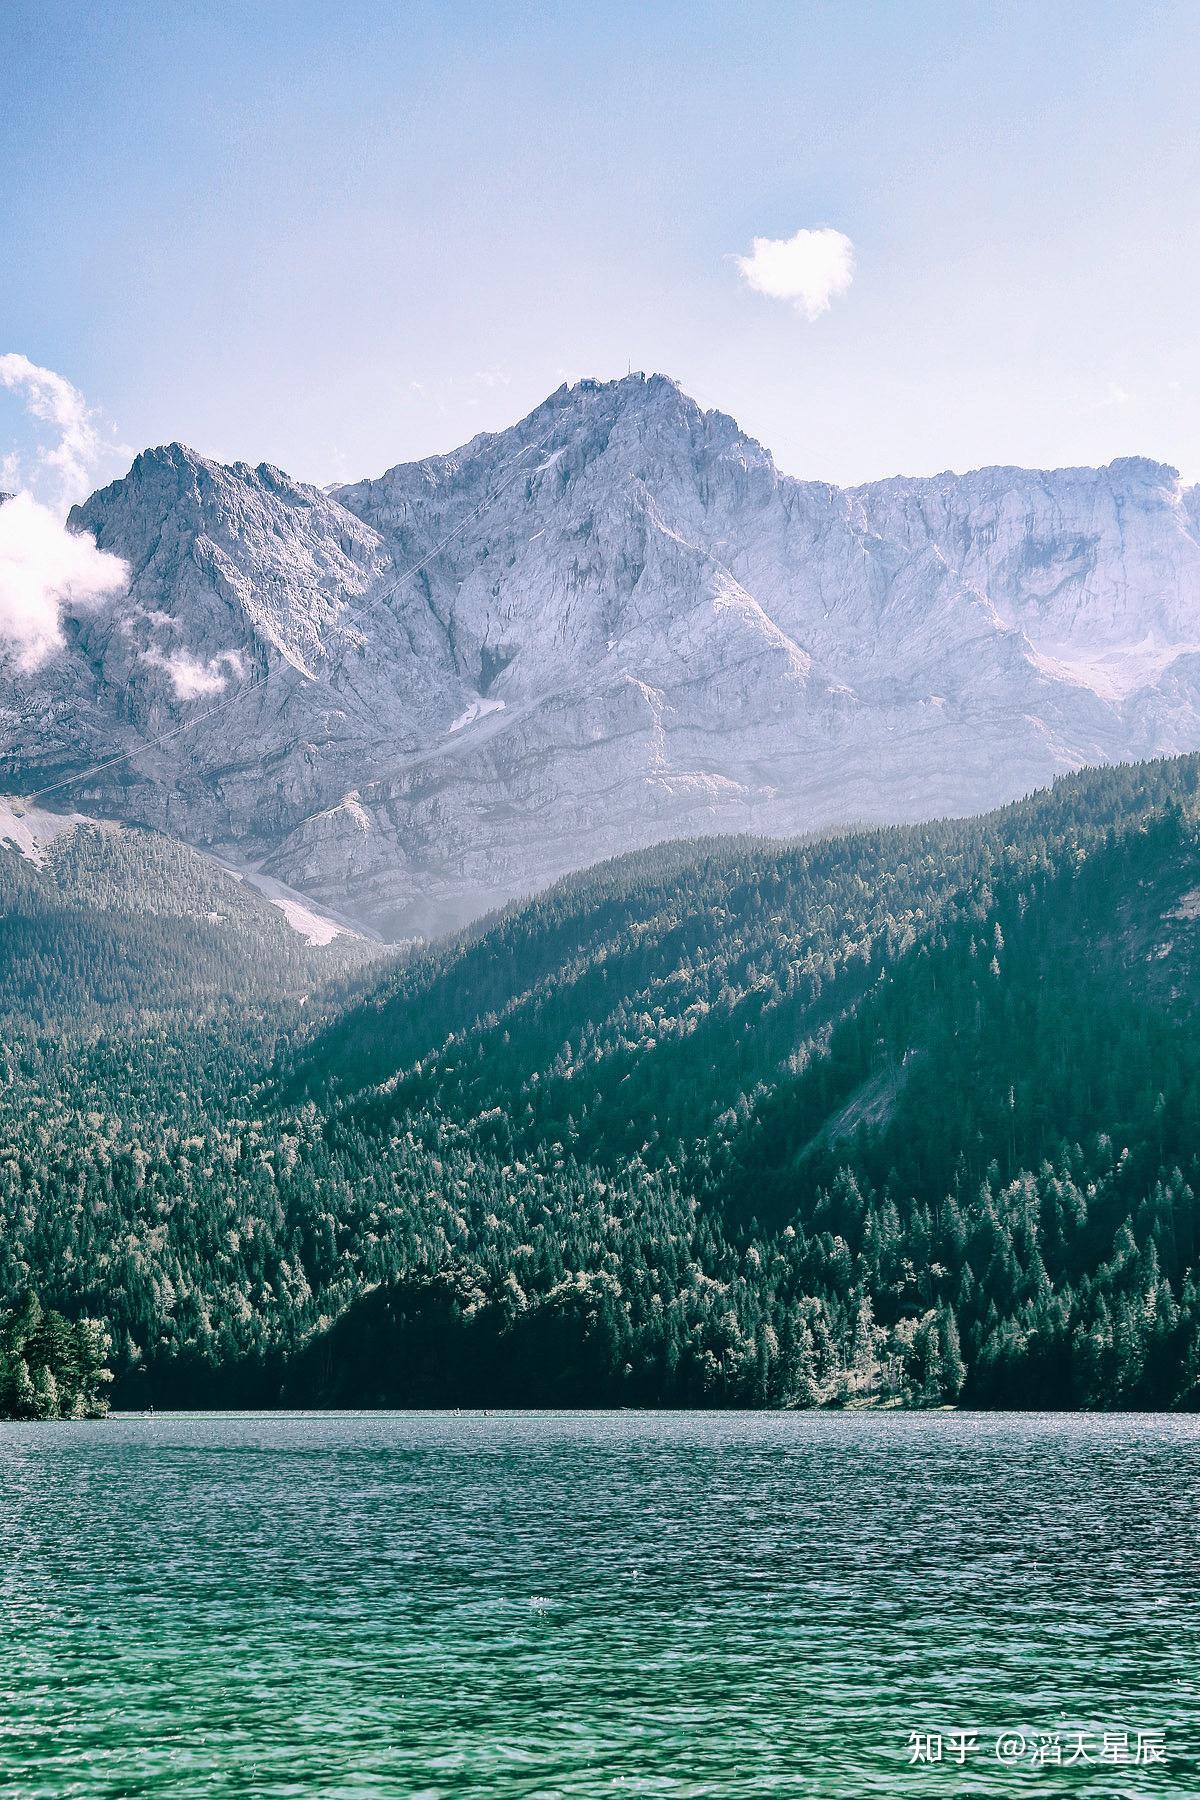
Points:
[[598, 1604]]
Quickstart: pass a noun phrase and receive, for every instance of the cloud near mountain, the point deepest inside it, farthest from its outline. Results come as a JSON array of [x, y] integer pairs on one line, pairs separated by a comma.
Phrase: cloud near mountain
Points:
[[44, 568], [811, 269]]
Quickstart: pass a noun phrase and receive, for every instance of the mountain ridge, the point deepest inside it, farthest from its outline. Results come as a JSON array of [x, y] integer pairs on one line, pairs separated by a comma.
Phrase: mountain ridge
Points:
[[623, 624]]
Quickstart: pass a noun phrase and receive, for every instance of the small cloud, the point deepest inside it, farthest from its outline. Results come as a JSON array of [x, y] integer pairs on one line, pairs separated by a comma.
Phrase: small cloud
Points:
[[338, 464], [1115, 396], [811, 269], [461, 390], [43, 568], [190, 677]]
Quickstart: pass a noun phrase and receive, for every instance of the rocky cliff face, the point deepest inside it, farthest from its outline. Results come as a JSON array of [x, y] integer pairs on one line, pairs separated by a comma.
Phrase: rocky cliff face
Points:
[[416, 696]]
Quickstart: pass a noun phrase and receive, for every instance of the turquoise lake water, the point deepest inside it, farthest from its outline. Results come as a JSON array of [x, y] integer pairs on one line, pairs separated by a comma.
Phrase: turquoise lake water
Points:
[[596, 1604]]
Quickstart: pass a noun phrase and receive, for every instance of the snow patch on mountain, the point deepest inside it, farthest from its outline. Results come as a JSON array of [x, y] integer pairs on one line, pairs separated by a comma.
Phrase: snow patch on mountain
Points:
[[478, 709], [313, 923], [316, 927], [1113, 672]]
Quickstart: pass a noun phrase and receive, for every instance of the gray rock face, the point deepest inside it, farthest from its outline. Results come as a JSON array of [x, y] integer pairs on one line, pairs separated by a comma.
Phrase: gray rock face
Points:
[[417, 696]]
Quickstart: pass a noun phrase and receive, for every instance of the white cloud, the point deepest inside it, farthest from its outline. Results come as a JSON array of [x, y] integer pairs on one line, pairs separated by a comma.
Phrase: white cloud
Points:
[[44, 567], [71, 460], [811, 269], [1113, 399], [190, 677]]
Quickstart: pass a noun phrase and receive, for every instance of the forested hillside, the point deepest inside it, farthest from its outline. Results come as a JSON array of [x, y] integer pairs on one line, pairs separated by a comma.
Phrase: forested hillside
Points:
[[99, 921], [900, 1115], [141, 987]]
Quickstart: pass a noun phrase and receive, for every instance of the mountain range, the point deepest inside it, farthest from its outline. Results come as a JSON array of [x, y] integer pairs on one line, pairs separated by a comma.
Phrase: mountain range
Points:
[[875, 1115], [415, 697]]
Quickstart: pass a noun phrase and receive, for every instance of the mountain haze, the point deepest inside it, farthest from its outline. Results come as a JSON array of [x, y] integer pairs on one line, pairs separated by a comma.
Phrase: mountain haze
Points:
[[624, 625]]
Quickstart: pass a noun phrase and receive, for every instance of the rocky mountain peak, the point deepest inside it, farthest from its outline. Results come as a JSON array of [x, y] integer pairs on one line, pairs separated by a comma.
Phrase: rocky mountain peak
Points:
[[611, 623]]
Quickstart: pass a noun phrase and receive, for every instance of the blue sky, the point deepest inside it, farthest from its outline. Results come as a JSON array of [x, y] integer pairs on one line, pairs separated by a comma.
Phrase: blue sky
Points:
[[338, 236]]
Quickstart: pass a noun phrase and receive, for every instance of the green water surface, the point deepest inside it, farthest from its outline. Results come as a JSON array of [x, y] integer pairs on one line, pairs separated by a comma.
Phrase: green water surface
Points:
[[593, 1604]]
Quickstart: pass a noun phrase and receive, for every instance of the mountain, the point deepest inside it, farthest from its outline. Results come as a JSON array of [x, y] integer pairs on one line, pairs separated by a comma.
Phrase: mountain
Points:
[[106, 927], [714, 989], [904, 1114], [616, 623]]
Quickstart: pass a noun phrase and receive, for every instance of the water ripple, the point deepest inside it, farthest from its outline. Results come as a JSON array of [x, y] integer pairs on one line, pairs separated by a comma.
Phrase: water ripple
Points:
[[554, 1606]]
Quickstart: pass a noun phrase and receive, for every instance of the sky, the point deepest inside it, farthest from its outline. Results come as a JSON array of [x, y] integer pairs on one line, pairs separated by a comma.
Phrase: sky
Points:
[[886, 238]]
